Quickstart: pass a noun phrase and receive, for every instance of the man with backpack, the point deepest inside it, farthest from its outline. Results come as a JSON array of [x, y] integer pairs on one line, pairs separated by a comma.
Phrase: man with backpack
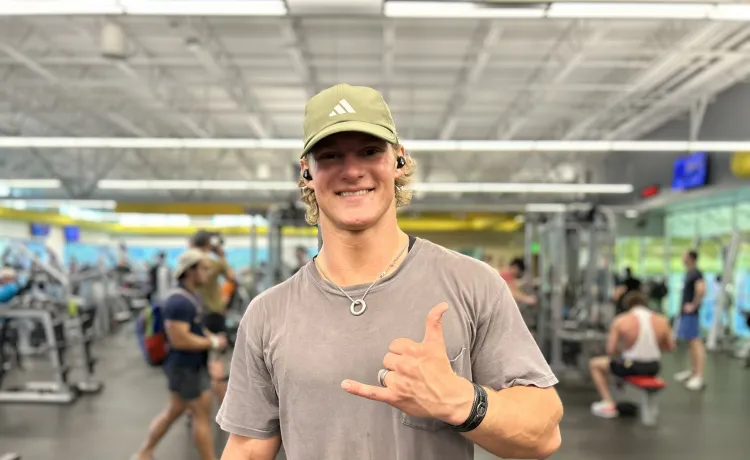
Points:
[[186, 366]]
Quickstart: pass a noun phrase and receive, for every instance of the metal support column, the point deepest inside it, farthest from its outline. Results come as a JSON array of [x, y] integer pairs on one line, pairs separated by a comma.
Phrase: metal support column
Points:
[[723, 299]]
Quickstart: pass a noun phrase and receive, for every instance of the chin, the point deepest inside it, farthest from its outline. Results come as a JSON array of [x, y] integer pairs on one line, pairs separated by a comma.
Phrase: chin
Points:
[[352, 220]]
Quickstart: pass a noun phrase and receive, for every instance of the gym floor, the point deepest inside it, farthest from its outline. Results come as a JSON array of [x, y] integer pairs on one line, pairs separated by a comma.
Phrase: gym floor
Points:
[[110, 426]]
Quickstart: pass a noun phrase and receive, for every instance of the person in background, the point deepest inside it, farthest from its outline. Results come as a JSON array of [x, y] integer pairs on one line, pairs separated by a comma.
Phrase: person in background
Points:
[[624, 286], [73, 266], [123, 262], [512, 275], [153, 277], [688, 327], [215, 319], [186, 366], [9, 285], [637, 338], [302, 258]]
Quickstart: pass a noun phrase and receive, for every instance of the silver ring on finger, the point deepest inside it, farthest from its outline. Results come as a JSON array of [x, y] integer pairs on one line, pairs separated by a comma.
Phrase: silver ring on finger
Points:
[[381, 376]]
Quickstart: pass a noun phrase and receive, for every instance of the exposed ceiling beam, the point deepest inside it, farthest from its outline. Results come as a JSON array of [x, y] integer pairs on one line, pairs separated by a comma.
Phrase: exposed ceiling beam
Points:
[[578, 44], [710, 81], [485, 39], [296, 47], [221, 64], [673, 59], [571, 38]]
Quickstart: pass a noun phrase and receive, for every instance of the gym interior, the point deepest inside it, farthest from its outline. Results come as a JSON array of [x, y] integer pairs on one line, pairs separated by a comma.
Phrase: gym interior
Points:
[[594, 143]]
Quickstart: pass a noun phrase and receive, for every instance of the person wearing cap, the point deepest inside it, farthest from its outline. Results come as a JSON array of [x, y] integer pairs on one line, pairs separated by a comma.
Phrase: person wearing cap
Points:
[[384, 345], [186, 366], [215, 319]]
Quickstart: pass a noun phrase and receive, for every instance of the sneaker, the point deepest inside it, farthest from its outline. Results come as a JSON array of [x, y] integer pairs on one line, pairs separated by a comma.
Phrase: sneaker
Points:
[[604, 409], [695, 383], [683, 376]]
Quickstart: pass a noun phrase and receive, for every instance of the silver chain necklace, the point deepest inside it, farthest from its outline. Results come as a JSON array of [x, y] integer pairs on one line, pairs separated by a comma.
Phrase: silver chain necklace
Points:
[[358, 306]]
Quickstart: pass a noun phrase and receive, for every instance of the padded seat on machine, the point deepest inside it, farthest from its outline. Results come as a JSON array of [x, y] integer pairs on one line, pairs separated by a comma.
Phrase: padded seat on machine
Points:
[[649, 386], [647, 383]]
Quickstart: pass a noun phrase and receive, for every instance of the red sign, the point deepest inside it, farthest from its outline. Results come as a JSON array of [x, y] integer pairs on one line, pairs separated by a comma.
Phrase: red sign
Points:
[[648, 192]]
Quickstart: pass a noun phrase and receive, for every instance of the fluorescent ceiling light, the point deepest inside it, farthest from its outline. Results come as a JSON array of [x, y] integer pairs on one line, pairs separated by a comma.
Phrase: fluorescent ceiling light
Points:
[[730, 13], [142, 7], [545, 207], [158, 143], [59, 7], [428, 187], [30, 183], [453, 10], [204, 7], [514, 187], [46, 203], [269, 186], [630, 10]]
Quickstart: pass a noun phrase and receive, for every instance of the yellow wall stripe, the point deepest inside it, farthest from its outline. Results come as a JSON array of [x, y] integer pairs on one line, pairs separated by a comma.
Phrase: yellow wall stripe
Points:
[[408, 224]]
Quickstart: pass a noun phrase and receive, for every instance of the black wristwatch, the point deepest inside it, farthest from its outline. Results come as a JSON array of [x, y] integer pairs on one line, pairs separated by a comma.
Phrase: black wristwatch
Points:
[[478, 411]]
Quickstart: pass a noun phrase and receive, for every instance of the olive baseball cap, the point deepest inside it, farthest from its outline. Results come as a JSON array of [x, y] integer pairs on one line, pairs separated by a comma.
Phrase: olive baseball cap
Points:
[[343, 108]]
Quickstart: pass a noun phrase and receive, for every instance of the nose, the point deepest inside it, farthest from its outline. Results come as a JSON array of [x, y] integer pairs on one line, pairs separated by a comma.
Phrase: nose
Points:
[[352, 168]]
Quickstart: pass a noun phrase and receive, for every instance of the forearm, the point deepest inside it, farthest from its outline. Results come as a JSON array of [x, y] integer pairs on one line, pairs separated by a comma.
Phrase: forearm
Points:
[[191, 342], [519, 296], [521, 423]]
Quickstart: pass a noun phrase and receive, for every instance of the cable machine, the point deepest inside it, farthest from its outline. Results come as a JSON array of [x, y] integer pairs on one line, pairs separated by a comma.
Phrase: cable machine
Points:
[[290, 214], [575, 257]]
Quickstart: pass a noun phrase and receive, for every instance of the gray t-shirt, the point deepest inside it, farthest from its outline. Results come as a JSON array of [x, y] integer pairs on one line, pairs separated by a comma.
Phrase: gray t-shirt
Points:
[[298, 341]]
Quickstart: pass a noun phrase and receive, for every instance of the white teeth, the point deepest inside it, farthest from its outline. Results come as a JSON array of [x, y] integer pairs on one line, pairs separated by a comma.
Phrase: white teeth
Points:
[[361, 192]]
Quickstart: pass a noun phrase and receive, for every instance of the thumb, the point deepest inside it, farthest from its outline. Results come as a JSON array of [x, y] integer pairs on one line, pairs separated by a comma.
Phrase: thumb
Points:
[[434, 326]]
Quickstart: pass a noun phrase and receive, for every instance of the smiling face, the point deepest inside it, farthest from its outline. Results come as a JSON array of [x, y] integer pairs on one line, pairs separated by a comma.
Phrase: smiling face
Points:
[[353, 176]]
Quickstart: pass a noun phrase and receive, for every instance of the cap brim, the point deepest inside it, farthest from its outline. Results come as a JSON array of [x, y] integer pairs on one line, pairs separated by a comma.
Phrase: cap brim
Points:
[[352, 126]]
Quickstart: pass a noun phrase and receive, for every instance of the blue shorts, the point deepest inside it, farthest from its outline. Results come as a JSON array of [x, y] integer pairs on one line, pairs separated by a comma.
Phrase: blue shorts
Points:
[[688, 327]]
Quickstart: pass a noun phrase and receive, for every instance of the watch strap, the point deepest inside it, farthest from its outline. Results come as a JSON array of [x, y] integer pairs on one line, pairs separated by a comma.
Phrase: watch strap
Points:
[[478, 411]]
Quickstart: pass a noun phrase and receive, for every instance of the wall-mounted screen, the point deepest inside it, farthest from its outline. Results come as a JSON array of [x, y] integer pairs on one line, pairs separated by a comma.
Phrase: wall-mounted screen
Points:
[[72, 233], [39, 229], [690, 171]]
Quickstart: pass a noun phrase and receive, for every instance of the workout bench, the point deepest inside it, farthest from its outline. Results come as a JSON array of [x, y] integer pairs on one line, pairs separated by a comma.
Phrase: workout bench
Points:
[[649, 387]]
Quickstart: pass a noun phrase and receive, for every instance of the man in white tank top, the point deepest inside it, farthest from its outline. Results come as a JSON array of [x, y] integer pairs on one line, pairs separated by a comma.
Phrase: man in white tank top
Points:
[[637, 338]]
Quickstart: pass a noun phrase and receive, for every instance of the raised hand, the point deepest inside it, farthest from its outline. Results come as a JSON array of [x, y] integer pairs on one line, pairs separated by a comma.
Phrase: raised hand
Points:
[[419, 379]]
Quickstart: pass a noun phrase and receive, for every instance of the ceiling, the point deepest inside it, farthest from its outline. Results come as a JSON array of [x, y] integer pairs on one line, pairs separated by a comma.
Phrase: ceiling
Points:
[[465, 79]]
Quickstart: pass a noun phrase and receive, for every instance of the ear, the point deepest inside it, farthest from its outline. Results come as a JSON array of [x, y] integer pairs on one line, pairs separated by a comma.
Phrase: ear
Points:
[[304, 164], [400, 152]]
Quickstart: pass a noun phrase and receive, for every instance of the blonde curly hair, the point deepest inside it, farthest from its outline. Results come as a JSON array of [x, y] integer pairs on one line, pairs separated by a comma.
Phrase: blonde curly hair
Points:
[[403, 195]]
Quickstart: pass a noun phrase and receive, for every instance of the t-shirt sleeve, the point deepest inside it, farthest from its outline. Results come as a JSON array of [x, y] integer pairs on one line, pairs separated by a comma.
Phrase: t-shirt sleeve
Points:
[[251, 405], [178, 308], [504, 353]]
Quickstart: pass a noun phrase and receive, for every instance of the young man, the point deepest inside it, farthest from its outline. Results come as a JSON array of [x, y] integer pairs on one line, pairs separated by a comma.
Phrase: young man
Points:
[[511, 276], [186, 365], [383, 346], [210, 292], [688, 328], [637, 338]]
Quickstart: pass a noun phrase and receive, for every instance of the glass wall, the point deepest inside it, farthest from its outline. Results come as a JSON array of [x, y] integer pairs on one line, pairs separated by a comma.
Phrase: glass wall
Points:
[[710, 223]]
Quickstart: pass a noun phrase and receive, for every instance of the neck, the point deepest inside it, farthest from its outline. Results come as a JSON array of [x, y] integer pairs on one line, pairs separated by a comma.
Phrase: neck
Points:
[[351, 258], [189, 286]]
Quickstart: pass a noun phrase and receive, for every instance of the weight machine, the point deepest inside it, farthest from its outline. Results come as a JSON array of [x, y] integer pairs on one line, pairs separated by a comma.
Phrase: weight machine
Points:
[[54, 321], [576, 252], [290, 214]]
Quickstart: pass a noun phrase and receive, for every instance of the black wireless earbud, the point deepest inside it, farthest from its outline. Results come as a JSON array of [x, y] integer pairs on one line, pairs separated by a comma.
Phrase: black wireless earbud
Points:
[[400, 162], [306, 174]]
